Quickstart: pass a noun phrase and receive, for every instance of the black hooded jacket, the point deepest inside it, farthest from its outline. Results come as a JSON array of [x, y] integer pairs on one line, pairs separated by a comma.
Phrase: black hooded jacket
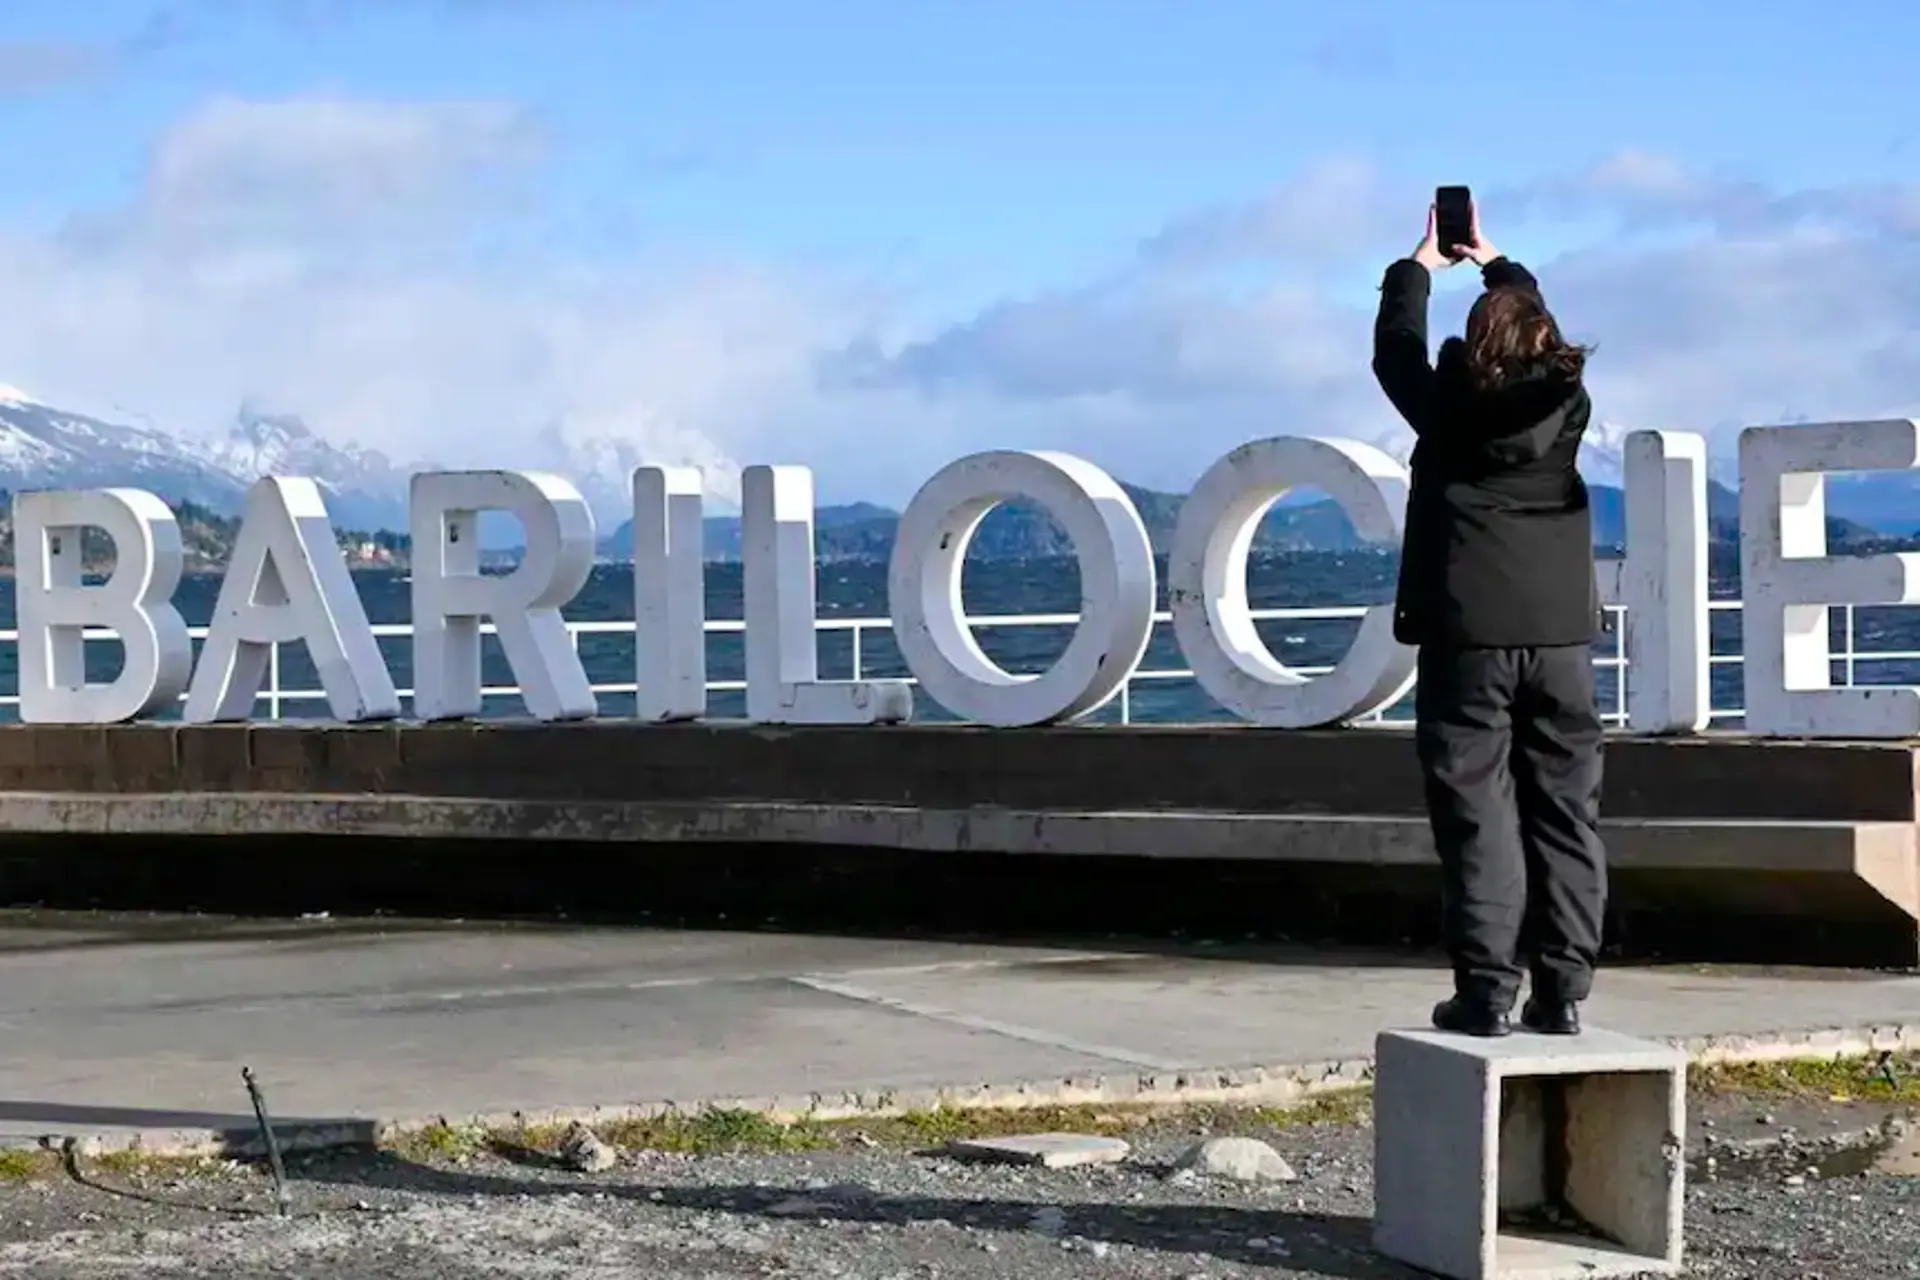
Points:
[[1499, 538]]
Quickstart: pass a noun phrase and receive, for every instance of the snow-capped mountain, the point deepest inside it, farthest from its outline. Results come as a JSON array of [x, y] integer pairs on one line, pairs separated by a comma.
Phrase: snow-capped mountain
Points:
[[1601, 452], [602, 464], [364, 488], [42, 447]]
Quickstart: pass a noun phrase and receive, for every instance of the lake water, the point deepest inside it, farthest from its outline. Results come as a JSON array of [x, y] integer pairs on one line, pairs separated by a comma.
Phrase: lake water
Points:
[[858, 590]]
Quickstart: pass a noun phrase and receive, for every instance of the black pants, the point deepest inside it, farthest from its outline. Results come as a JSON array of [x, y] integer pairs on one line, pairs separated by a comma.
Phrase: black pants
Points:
[[1509, 744]]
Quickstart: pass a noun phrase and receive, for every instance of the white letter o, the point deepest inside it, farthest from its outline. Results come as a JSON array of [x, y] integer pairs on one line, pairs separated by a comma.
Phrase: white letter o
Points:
[[1116, 587], [1207, 582]]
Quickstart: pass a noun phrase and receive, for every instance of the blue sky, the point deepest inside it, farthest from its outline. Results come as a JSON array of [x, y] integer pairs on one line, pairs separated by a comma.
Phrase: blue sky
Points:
[[870, 236]]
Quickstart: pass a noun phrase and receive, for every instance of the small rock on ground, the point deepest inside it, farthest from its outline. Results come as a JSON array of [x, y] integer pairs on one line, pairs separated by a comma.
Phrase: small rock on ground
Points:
[[1241, 1159], [583, 1152]]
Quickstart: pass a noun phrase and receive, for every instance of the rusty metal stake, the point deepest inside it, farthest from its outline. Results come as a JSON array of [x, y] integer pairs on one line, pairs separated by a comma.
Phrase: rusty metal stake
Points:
[[281, 1198]]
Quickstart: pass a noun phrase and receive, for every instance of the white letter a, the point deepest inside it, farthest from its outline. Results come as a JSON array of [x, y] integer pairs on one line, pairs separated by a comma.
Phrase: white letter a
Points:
[[287, 581]]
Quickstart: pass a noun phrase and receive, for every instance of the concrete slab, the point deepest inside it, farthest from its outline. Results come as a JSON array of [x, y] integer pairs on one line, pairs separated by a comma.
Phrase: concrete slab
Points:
[[1488, 1153], [1049, 1150], [121, 1026]]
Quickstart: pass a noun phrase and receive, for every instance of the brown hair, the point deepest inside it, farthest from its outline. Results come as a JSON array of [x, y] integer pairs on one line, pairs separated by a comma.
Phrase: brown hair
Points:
[[1510, 332]]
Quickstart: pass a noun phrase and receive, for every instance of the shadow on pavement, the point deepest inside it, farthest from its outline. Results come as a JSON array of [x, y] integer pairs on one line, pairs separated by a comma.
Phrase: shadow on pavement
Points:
[[44, 931], [236, 1126]]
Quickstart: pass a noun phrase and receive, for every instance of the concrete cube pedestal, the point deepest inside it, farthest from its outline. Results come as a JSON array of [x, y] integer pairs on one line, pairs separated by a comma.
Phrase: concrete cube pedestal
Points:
[[1529, 1156]]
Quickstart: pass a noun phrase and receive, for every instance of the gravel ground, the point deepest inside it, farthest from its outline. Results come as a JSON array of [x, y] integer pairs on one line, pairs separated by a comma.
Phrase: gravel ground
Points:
[[1800, 1205]]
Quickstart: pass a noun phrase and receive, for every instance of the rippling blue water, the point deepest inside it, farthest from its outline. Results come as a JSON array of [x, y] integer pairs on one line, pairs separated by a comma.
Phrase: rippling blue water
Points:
[[1051, 586]]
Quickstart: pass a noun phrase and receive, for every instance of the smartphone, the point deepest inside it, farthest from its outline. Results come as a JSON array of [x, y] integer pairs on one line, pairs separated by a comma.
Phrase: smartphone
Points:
[[1453, 218]]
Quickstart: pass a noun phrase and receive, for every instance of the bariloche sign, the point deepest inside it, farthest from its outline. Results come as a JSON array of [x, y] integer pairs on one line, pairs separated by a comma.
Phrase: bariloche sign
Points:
[[287, 581]]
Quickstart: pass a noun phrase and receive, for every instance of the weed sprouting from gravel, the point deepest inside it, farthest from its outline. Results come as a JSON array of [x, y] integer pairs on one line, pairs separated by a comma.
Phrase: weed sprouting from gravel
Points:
[[1884, 1077], [18, 1165], [732, 1132]]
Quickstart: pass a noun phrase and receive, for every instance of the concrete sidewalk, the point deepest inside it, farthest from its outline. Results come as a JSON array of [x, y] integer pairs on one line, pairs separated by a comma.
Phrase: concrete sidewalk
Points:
[[118, 1028]]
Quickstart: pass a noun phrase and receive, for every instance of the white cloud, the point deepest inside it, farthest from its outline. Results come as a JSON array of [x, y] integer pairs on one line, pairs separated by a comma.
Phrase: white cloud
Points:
[[1752, 305], [1331, 210], [379, 269], [309, 163], [338, 259]]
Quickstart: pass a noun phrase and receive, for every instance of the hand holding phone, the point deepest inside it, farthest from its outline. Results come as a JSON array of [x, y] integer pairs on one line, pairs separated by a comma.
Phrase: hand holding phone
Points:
[[1453, 221]]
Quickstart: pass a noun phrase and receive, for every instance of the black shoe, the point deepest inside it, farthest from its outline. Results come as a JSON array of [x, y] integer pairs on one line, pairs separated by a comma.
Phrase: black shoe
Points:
[[1551, 1017], [1471, 1018]]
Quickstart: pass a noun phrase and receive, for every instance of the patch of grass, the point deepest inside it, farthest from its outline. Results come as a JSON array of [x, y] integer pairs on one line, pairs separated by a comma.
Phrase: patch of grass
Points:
[[715, 1131], [17, 1165], [441, 1142], [1884, 1077], [721, 1131], [20, 1164], [124, 1163]]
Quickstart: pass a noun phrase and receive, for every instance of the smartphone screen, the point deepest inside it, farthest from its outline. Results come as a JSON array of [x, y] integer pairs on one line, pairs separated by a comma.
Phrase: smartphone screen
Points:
[[1453, 218]]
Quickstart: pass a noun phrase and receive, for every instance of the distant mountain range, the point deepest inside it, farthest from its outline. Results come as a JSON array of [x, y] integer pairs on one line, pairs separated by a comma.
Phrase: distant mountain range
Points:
[[42, 447], [1019, 531], [864, 531], [45, 447]]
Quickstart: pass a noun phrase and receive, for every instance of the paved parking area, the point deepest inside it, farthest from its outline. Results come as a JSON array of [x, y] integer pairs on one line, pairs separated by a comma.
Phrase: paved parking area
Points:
[[115, 1024]]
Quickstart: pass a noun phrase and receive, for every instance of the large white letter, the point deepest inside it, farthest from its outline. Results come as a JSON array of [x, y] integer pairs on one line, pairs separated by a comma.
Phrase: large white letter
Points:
[[1787, 579], [1662, 581], [451, 596], [1116, 587], [55, 608], [1207, 582], [669, 595], [287, 581], [783, 658]]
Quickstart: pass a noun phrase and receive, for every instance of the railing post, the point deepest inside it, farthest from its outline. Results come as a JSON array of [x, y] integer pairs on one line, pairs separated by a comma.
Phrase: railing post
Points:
[[273, 682], [1846, 633], [1620, 666], [858, 627]]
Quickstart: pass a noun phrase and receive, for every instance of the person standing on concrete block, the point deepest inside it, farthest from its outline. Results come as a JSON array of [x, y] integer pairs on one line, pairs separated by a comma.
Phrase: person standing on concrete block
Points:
[[1497, 588]]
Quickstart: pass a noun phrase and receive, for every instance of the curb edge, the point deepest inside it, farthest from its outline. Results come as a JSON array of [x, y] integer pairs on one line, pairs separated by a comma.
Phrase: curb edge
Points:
[[1273, 1084]]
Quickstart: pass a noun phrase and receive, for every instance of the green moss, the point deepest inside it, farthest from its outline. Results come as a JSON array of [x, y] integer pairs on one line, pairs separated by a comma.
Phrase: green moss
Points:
[[127, 1163], [440, 1142], [18, 1165], [710, 1132], [1880, 1078], [714, 1132]]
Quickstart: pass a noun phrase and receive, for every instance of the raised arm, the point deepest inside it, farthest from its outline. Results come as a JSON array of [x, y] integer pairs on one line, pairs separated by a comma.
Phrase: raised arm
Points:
[[1400, 342]]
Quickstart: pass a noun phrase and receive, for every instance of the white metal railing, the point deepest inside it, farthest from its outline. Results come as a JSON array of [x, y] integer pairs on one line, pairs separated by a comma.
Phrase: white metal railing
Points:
[[277, 696]]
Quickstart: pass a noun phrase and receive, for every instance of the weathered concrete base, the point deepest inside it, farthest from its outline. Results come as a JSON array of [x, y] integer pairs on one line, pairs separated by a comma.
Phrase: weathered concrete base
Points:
[[1171, 768], [1482, 1147], [1722, 847]]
